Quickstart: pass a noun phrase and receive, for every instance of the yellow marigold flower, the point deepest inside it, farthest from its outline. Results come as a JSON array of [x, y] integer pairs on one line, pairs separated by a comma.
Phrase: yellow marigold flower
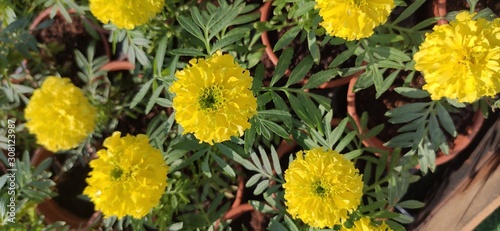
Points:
[[461, 60], [322, 188], [213, 98], [59, 115], [128, 178], [365, 224], [125, 14], [353, 19]]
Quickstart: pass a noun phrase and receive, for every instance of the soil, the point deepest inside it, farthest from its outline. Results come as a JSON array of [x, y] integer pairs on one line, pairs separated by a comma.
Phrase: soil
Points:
[[63, 38], [376, 109], [457, 5]]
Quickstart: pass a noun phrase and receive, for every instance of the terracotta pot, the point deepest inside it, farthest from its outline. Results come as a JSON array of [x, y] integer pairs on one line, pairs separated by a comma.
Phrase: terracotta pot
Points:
[[461, 141], [439, 10], [51, 211], [265, 11], [46, 14], [118, 66]]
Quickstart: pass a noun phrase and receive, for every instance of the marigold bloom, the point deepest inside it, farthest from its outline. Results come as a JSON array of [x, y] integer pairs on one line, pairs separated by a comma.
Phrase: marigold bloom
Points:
[[59, 115], [461, 60], [213, 98], [322, 188], [365, 224], [125, 14], [128, 178], [353, 19]]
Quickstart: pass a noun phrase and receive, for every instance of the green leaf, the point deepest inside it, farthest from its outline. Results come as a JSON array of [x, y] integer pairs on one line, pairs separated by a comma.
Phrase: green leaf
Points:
[[250, 136], [300, 70], [190, 27], [299, 108], [288, 37], [345, 141], [205, 167], [337, 132], [187, 52], [261, 187], [227, 40], [42, 166], [276, 161], [140, 95], [402, 140], [445, 120], [282, 65], [411, 204], [407, 108], [390, 53], [160, 54], [353, 154], [436, 135], [233, 155], [386, 38], [320, 78], [404, 118], [411, 92], [253, 180], [410, 10], [387, 83], [153, 99], [313, 47], [304, 8], [342, 57], [226, 167]]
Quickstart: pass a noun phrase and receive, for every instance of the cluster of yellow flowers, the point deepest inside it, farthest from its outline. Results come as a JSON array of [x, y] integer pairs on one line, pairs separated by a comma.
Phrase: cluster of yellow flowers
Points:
[[125, 14], [213, 99], [461, 60], [353, 19], [128, 178], [322, 188], [59, 115]]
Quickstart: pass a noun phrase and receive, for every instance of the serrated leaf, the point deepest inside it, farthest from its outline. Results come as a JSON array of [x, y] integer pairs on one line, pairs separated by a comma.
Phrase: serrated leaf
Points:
[[320, 77], [288, 37], [404, 118], [445, 120], [390, 53], [282, 65], [402, 140], [226, 167], [227, 40], [278, 130], [342, 57], [388, 82], [304, 8], [142, 92], [300, 70], [412, 92], [410, 10], [190, 27], [407, 108], [345, 141], [411, 204], [187, 52]]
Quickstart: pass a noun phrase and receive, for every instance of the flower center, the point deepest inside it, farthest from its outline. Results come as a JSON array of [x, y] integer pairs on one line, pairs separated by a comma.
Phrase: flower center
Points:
[[319, 189], [116, 173], [211, 98]]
